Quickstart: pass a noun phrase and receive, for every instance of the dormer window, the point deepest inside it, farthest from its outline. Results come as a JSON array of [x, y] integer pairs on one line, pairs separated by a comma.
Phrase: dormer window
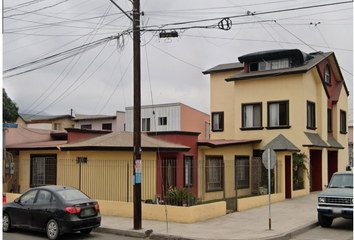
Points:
[[269, 65], [327, 74]]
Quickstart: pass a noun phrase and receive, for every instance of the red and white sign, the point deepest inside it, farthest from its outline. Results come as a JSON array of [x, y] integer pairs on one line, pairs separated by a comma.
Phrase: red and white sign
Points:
[[137, 166]]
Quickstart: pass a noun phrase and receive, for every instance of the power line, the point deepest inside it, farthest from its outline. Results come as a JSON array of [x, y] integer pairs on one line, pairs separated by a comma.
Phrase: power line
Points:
[[58, 57], [258, 13]]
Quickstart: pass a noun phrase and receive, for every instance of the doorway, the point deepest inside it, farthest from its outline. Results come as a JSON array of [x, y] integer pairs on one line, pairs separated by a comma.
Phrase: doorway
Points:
[[288, 177], [316, 170], [169, 174]]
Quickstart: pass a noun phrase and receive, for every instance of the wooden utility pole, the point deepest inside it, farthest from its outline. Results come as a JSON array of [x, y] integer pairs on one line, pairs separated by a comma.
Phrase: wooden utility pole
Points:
[[137, 115]]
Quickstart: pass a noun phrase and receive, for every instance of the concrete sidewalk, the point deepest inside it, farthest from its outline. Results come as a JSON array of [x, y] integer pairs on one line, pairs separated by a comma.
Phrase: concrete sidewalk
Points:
[[288, 218]]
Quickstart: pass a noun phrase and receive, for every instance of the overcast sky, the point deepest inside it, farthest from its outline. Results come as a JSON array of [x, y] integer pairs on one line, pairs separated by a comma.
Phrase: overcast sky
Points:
[[100, 80]]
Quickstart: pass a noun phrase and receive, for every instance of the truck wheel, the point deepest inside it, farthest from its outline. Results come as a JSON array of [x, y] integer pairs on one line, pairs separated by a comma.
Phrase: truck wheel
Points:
[[324, 221]]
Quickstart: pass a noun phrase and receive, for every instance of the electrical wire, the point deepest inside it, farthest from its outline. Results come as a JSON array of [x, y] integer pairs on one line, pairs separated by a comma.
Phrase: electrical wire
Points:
[[58, 57], [258, 13]]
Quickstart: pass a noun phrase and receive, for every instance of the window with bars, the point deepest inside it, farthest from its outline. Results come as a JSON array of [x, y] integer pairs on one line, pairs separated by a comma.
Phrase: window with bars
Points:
[[86, 126], [242, 169], [43, 170], [214, 173], [106, 126]]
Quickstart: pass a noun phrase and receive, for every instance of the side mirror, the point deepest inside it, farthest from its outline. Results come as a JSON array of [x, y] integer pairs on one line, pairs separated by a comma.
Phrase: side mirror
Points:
[[326, 185], [17, 200]]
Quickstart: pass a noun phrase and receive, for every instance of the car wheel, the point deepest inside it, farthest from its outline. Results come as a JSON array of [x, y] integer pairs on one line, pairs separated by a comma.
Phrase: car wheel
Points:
[[6, 223], [52, 229], [324, 221], [86, 231]]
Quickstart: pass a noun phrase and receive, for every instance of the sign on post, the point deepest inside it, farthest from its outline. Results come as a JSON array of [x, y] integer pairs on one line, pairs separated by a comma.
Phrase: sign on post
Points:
[[138, 171], [269, 159], [273, 158]]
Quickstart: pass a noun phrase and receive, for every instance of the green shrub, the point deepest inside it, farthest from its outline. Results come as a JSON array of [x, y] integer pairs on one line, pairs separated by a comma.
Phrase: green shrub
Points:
[[179, 196]]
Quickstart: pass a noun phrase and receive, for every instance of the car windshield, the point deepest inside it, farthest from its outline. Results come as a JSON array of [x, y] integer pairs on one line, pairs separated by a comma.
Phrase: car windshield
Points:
[[72, 194], [341, 181]]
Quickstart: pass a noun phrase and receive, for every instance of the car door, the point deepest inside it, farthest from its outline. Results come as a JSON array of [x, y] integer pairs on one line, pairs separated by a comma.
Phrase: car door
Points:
[[21, 214], [41, 210]]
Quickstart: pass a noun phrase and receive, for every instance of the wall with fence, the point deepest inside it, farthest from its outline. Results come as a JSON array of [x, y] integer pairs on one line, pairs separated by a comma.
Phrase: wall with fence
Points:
[[157, 212], [111, 179]]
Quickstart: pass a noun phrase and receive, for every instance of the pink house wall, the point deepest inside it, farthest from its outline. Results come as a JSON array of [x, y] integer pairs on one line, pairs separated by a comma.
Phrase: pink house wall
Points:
[[193, 120]]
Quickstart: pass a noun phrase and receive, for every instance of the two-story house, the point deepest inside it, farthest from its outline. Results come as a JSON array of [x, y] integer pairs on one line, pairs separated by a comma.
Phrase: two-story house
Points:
[[45, 122], [285, 100], [115, 123]]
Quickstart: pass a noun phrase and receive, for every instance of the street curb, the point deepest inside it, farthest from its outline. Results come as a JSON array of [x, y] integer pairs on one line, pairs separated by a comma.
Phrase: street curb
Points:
[[160, 236], [293, 233]]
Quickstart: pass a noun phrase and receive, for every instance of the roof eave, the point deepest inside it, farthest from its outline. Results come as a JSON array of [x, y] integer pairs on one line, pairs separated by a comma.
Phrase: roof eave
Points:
[[265, 75]]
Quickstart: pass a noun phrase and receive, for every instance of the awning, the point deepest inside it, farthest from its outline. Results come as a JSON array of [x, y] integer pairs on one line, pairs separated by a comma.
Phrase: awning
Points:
[[316, 141], [281, 144], [333, 143]]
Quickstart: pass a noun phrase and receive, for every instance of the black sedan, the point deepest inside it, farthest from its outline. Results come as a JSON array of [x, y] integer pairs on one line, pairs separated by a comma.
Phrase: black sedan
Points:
[[52, 209]]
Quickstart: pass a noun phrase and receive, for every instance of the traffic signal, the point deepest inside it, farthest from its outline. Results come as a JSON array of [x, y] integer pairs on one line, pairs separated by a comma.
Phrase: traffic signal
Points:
[[168, 34]]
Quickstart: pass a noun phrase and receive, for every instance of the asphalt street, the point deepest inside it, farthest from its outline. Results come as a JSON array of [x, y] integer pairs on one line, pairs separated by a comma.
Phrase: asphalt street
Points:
[[20, 234]]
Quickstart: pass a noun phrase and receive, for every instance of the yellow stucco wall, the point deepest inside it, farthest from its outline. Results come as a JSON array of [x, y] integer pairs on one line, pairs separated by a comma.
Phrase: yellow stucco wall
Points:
[[297, 89], [228, 154], [105, 175]]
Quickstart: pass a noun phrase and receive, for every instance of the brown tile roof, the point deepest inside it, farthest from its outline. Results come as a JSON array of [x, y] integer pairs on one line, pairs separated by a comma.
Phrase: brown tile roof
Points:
[[46, 145], [123, 141]]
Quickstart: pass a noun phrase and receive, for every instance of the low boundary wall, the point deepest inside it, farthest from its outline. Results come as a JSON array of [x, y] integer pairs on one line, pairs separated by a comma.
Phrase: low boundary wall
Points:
[[191, 214]]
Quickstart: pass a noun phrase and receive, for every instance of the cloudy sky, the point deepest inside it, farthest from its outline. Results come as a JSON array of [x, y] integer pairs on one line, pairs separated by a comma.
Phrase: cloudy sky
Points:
[[77, 54]]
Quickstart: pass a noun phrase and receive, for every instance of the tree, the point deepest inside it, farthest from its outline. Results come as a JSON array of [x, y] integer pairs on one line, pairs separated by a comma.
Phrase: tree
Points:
[[9, 108]]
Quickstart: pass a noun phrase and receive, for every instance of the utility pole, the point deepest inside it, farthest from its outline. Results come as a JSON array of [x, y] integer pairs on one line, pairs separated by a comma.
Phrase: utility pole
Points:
[[137, 115]]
